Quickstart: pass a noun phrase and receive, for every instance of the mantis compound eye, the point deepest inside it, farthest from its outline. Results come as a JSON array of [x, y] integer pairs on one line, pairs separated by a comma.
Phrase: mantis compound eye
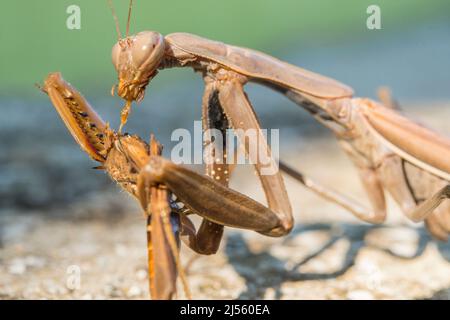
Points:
[[147, 50]]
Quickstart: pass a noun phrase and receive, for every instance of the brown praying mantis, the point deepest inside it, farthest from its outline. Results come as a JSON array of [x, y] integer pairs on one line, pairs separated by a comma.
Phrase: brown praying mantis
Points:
[[391, 152]]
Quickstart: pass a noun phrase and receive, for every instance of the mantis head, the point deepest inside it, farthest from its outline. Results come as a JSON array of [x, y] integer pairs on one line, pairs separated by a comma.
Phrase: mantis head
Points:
[[136, 59]]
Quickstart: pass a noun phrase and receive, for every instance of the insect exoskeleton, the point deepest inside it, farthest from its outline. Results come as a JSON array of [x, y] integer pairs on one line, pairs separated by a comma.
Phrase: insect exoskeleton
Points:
[[136, 59]]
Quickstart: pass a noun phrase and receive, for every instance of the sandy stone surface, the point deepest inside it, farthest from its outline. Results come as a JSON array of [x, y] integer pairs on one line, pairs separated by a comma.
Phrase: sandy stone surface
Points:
[[319, 260], [329, 254]]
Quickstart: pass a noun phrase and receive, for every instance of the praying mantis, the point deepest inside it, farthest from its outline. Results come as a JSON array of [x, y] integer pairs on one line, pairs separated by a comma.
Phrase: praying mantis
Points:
[[391, 152]]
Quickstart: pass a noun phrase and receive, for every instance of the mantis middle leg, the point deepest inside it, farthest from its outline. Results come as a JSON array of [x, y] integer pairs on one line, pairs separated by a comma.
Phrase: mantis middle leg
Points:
[[370, 182]]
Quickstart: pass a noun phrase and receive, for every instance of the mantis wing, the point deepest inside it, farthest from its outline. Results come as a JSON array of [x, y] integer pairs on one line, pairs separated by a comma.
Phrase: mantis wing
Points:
[[421, 146]]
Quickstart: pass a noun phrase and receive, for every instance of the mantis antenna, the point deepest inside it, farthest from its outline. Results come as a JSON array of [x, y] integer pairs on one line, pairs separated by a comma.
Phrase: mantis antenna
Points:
[[119, 35], [129, 16]]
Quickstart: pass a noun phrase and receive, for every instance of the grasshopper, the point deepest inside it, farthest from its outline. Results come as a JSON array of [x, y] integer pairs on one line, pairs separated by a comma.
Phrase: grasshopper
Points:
[[391, 152]]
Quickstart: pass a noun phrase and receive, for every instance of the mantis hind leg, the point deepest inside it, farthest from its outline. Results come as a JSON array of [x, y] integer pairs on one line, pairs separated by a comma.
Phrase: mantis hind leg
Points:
[[410, 187], [429, 205]]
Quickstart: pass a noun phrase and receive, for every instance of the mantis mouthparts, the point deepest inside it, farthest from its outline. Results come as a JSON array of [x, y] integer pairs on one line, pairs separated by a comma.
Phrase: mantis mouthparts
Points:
[[124, 114]]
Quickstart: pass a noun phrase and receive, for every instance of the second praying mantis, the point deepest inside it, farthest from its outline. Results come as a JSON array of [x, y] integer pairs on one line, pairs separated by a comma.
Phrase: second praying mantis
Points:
[[391, 152]]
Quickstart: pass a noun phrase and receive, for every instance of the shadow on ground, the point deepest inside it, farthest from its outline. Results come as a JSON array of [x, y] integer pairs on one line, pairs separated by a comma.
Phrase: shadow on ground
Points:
[[243, 259]]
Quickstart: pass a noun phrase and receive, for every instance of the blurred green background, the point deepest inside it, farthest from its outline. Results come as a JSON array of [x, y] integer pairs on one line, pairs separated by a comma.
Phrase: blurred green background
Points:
[[35, 39]]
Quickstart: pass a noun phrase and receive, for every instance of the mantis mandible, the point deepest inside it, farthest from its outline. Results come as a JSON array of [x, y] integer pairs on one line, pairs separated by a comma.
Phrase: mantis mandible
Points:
[[391, 152]]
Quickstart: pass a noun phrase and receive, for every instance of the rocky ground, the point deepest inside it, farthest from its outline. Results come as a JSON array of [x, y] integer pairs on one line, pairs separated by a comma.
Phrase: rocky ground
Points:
[[94, 230]]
